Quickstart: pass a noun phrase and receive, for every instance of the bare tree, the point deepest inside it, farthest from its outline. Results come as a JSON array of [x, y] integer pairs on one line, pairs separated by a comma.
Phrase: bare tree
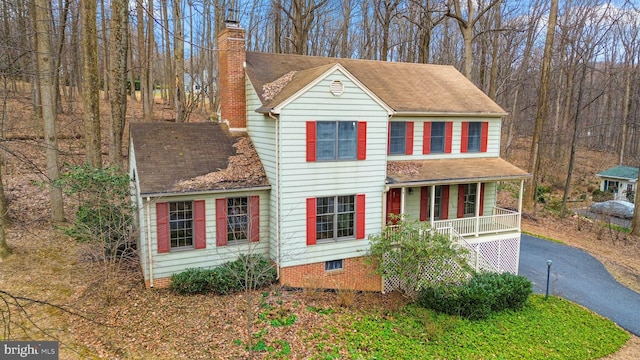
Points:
[[90, 83], [178, 60], [47, 100], [541, 112], [118, 68]]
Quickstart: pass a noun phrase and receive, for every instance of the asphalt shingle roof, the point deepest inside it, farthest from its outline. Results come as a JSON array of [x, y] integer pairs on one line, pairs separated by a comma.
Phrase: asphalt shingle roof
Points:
[[405, 87]]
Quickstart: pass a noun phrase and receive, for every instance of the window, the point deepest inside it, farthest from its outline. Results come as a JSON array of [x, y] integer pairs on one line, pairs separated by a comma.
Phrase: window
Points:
[[333, 265], [440, 206], [397, 138], [467, 196], [237, 219], [335, 218], [181, 225], [336, 140], [474, 137], [470, 192], [473, 140], [437, 137], [611, 186]]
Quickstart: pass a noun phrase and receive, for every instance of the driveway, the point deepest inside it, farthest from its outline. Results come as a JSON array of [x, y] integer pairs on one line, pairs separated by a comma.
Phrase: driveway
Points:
[[579, 277]]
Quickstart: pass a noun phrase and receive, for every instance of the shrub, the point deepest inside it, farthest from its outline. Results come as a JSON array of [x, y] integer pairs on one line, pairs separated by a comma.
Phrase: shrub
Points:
[[482, 295], [248, 271], [192, 281]]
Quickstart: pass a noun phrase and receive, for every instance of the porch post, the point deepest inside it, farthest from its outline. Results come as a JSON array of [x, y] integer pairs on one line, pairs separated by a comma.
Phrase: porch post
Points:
[[520, 206], [403, 196], [478, 185], [432, 204], [384, 208]]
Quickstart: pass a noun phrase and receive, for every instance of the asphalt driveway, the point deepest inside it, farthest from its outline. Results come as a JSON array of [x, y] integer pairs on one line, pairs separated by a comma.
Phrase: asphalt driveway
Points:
[[579, 277]]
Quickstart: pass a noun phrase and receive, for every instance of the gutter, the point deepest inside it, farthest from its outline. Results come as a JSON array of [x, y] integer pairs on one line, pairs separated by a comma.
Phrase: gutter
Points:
[[277, 193], [455, 181], [149, 252], [449, 114], [200, 192]]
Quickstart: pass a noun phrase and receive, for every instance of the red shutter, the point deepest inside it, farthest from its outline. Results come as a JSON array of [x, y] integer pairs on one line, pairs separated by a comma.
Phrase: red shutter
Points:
[[409, 135], [461, 189], [424, 203], [481, 199], [444, 213], [485, 137], [360, 212], [200, 224], [311, 141], [362, 140], [254, 218], [162, 222], [426, 138], [221, 222], [464, 141], [448, 133], [311, 221]]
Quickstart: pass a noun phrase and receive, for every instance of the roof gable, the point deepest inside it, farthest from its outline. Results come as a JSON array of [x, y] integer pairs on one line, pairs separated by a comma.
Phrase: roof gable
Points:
[[407, 88], [303, 80], [621, 172]]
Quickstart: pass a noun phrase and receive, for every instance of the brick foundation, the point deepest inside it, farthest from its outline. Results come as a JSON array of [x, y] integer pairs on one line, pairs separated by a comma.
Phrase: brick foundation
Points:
[[355, 275], [161, 283]]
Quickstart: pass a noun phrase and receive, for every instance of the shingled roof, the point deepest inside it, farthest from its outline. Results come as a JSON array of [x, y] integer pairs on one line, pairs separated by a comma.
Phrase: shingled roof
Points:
[[621, 172], [454, 171], [404, 87], [185, 157]]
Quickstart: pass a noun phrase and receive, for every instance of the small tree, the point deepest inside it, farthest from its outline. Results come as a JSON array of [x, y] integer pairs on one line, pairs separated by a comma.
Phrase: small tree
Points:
[[417, 255], [103, 221]]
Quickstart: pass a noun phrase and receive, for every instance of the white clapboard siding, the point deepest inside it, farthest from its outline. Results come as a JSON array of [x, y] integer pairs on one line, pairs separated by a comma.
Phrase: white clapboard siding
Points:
[[300, 179], [166, 264]]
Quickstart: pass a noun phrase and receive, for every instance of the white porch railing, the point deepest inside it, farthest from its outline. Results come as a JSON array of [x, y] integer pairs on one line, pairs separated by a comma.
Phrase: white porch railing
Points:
[[475, 258], [502, 220]]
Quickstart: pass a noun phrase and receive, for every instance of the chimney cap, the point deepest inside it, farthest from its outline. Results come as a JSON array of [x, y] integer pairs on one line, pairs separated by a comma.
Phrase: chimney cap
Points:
[[232, 17]]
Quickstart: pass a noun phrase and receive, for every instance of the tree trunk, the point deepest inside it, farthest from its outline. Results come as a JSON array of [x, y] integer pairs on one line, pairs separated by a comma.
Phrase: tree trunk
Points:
[[178, 58], [47, 98], [90, 84], [168, 65], [541, 111], [4, 218], [118, 77]]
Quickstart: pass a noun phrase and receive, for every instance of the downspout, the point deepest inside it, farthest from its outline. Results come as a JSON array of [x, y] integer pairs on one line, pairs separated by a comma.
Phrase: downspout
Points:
[[520, 206], [149, 252], [478, 187], [277, 193]]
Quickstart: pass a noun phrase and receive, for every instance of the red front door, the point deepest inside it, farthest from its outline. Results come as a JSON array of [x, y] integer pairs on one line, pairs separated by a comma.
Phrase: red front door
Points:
[[393, 203]]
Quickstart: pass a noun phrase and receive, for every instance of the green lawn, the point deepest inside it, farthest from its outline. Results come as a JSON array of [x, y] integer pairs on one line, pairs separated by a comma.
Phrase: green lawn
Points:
[[550, 329]]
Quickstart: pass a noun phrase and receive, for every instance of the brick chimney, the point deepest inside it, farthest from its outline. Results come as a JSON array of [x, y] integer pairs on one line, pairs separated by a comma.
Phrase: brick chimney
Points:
[[231, 61]]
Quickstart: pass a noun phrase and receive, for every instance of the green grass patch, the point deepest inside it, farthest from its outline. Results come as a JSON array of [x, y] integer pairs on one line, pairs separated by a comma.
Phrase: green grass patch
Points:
[[542, 237], [549, 329], [619, 228]]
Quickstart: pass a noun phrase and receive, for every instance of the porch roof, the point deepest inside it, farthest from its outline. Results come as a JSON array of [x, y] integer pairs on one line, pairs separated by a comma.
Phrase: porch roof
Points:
[[452, 171]]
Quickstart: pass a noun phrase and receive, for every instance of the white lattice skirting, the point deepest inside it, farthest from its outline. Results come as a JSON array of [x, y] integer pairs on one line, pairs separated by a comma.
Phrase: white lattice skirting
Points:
[[501, 255]]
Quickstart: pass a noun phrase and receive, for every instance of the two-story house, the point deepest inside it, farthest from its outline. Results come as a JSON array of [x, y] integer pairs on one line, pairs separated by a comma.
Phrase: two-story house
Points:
[[335, 146]]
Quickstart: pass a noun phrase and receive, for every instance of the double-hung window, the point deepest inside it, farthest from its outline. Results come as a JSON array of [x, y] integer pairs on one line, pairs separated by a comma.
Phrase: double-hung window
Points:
[[237, 219], [474, 136], [470, 193], [336, 140], [181, 225], [437, 137], [335, 218], [440, 203], [397, 138]]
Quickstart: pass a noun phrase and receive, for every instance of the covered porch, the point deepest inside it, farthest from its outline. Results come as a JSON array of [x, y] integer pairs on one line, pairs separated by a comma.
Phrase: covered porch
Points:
[[455, 195]]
